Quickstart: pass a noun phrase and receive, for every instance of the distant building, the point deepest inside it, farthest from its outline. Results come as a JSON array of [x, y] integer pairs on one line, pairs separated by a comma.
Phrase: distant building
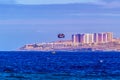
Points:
[[88, 38], [82, 37], [109, 36], [95, 38], [76, 38], [105, 40], [92, 38], [100, 37]]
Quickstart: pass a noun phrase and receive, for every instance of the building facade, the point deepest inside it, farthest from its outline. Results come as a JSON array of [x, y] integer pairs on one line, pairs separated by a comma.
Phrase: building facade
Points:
[[92, 38]]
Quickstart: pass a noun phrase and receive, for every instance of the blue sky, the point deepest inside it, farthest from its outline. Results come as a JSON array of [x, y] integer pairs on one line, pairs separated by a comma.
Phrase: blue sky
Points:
[[33, 21], [45, 1]]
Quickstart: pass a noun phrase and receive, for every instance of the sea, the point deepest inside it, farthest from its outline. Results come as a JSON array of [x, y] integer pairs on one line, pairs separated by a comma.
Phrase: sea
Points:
[[59, 65]]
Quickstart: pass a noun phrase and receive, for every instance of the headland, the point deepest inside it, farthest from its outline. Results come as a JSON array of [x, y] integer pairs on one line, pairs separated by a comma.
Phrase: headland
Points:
[[104, 41]]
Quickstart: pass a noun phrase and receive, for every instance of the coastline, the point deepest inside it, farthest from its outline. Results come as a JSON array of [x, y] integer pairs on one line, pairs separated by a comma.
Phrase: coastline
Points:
[[61, 51]]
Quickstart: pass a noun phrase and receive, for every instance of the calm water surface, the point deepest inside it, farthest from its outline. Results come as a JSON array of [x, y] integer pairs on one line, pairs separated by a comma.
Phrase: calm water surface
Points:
[[60, 66]]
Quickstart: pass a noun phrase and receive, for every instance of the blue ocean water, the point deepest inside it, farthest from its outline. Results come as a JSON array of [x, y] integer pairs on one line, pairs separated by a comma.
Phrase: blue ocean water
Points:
[[36, 65]]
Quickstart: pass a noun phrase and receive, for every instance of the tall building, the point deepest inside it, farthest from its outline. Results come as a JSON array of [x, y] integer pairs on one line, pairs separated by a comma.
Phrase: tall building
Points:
[[100, 38], [82, 38], [88, 38], [92, 38], [73, 38], [76, 38], [95, 38], [103, 37], [105, 40], [109, 36]]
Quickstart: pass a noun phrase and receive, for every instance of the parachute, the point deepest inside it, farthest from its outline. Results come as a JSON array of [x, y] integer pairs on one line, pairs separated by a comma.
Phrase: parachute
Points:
[[61, 35]]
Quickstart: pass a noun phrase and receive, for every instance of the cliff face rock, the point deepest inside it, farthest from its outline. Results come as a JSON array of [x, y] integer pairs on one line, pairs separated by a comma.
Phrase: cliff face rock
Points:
[[111, 46]]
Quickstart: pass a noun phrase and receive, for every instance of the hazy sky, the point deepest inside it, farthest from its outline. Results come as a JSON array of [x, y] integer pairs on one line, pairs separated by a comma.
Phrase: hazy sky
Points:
[[45, 1], [33, 21]]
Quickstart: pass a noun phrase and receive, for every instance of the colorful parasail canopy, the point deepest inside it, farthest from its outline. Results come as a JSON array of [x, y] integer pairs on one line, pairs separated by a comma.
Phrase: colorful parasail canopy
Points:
[[61, 35]]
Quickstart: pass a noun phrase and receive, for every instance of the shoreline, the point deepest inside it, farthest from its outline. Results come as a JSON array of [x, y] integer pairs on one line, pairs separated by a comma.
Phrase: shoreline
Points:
[[61, 50]]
